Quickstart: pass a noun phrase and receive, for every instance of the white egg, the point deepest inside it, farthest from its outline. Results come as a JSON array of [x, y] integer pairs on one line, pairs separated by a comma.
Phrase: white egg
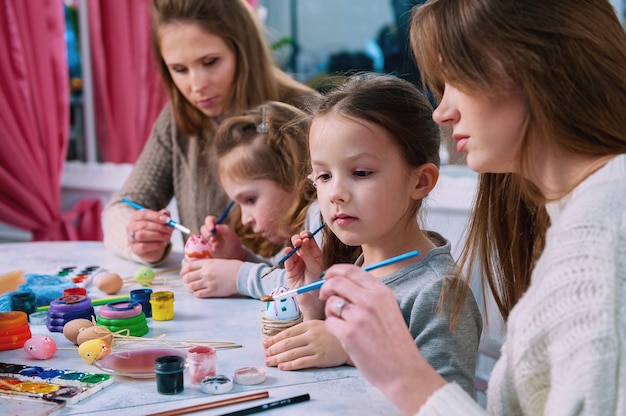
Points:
[[285, 309]]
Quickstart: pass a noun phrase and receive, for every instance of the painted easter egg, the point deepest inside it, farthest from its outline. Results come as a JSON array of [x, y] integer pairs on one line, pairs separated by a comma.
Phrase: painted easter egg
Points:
[[40, 347], [285, 309], [144, 276], [73, 327], [94, 332], [197, 247], [91, 349], [109, 283]]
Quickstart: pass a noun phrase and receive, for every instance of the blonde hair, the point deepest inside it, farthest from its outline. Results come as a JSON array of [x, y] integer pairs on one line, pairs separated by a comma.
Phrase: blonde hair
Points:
[[279, 155]]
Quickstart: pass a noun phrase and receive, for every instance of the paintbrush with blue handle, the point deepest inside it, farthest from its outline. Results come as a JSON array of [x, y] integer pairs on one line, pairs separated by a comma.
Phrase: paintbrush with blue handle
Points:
[[282, 261], [170, 221], [317, 284]]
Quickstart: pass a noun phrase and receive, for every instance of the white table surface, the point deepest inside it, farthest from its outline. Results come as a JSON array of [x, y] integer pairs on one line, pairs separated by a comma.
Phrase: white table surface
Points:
[[340, 390]]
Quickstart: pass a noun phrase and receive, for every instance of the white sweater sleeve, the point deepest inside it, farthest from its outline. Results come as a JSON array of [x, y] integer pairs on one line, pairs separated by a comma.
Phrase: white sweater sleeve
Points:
[[449, 400]]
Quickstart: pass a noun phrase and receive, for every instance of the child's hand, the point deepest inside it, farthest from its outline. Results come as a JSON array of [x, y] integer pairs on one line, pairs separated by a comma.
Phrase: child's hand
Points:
[[224, 243], [211, 278], [305, 267], [306, 345]]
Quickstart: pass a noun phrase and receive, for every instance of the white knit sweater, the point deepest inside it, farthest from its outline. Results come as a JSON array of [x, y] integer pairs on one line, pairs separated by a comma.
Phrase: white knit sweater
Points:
[[565, 351]]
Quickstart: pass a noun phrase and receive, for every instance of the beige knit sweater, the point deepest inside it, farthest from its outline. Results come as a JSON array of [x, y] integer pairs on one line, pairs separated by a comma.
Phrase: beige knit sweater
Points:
[[170, 165], [565, 348]]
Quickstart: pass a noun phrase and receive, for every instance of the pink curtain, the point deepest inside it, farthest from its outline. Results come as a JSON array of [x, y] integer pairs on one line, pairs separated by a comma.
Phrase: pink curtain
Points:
[[34, 126], [128, 91]]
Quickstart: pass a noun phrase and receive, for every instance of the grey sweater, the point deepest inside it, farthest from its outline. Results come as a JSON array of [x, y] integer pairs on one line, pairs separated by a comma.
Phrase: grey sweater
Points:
[[417, 288]]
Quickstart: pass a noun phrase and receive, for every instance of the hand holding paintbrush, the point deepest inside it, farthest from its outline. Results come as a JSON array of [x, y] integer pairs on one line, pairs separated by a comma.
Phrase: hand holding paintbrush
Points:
[[222, 217], [282, 261], [170, 221]]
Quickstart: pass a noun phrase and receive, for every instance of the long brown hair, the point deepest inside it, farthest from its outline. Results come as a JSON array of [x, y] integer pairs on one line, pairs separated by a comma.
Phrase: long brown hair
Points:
[[402, 111], [256, 79], [569, 61]]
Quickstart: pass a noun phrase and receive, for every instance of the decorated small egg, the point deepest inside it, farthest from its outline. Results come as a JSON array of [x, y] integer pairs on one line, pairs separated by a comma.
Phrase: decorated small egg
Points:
[[40, 347], [144, 276], [285, 309], [93, 348], [197, 247], [109, 283], [94, 332], [73, 327]]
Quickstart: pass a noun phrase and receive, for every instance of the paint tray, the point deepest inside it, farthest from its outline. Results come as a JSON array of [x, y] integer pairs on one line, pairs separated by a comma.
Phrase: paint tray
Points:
[[18, 381]]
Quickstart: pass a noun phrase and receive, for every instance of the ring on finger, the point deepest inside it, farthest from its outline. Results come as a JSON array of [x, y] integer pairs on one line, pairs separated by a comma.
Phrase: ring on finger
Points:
[[132, 236], [340, 305]]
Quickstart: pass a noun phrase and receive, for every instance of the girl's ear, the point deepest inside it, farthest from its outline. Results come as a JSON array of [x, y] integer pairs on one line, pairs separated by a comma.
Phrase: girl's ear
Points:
[[424, 178]]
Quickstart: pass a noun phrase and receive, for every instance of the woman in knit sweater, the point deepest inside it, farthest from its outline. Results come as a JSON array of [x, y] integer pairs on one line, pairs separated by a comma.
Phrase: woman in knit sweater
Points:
[[534, 93], [214, 62]]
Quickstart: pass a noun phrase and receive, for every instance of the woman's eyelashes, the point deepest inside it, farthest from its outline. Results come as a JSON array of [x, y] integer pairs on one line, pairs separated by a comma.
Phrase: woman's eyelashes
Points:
[[178, 69], [210, 62]]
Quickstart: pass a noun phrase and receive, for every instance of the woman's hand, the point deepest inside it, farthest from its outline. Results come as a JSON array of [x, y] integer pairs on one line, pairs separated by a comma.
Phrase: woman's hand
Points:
[[362, 312], [211, 278], [305, 345], [148, 234]]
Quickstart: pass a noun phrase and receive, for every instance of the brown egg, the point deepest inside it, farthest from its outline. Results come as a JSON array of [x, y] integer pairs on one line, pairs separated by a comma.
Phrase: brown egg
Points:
[[109, 283], [94, 332], [73, 327]]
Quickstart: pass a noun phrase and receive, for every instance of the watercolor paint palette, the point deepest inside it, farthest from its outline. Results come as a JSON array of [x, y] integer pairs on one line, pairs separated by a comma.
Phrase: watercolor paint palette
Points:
[[80, 275], [19, 380]]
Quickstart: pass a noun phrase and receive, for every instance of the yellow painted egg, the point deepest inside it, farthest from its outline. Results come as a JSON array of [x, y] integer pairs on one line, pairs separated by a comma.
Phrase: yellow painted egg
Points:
[[109, 283], [73, 327], [94, 332], [93, 348]]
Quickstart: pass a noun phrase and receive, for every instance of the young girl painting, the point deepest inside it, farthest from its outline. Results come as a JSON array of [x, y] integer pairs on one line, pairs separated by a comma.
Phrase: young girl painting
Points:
[[374, 154], [262, 165]]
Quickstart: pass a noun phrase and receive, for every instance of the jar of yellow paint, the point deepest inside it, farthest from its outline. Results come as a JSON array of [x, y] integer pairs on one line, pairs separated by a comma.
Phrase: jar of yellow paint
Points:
[[162, 305]]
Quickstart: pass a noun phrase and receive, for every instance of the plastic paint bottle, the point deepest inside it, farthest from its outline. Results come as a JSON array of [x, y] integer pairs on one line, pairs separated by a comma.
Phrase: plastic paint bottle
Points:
[[169, 374], [162, 306], [142, 296]]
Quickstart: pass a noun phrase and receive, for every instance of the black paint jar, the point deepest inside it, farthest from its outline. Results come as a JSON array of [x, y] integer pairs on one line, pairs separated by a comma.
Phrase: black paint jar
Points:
[[169, 374]]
